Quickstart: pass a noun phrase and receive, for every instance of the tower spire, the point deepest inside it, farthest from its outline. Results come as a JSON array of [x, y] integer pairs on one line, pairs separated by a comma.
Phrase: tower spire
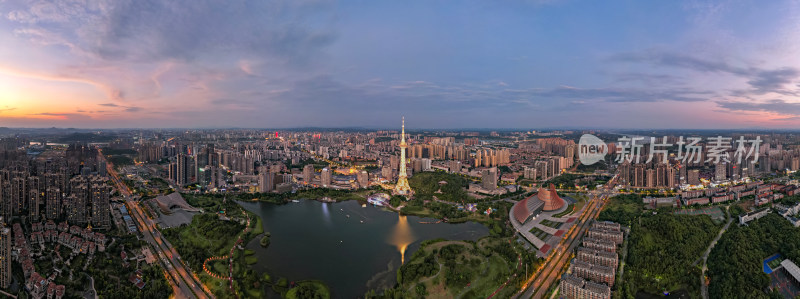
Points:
[[402, 187], [403, 131]]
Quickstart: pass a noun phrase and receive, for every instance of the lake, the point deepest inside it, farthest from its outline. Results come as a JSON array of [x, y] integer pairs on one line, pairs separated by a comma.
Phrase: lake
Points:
[[351, 248]]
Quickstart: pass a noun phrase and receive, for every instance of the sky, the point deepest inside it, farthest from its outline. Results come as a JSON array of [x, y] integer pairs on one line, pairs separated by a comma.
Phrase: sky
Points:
[[441, 64]]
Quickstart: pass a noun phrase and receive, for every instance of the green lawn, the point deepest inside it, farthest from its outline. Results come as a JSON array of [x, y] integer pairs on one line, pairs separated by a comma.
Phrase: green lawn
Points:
[[219, 267], [542, 235], [569, 210], [775, 263], [552, 224]]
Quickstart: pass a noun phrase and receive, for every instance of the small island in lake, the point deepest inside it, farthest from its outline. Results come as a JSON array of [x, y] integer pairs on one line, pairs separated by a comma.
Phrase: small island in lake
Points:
[[265, 240]]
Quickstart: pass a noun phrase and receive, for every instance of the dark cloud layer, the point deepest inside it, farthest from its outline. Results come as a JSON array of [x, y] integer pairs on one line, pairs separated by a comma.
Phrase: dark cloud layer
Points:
[[773, 106], [187, 30], [302, 61], [761, 81]]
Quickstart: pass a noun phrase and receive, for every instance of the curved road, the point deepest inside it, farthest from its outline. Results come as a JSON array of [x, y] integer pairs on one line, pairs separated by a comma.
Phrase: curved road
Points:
[[703, 286]]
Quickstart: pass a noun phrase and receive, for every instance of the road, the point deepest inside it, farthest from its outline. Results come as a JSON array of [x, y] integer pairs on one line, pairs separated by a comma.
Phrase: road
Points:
[[563, 252], [184, 284], [538, 284], [574, 242], [703, 285]]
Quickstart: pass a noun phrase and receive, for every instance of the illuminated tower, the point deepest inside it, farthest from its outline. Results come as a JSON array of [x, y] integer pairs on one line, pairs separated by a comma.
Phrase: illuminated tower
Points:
[[402, 187]]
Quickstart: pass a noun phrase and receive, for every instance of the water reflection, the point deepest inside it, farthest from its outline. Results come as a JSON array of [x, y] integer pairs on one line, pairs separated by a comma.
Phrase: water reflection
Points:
[[312, 240], [402, 237], [326, 214]]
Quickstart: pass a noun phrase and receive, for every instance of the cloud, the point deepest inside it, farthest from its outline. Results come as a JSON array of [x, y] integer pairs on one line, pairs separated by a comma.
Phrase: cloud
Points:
[[649, 79], [124, 108], [620, 94], [225, 102], [761, 81], [111, 92], [64, 116], [774, 81], [777, 106], [328, 95], [788, 118], [668, 59], [247, 68], [156, 76], [7, 108], [154, 30], [143, 41]]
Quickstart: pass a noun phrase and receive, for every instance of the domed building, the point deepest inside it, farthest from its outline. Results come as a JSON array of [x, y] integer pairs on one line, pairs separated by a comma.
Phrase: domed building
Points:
[[550, 198], [545, 200]]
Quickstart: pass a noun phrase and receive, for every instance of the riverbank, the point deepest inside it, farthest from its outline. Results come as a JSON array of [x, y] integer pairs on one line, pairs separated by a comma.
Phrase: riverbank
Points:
[[349, 247], [334, 195], [489, 214]]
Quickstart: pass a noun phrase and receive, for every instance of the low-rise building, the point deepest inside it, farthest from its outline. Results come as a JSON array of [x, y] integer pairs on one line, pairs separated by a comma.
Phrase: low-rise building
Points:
[[791, 214], [660, 202], [744, 219], [698, 201], [722, 198]]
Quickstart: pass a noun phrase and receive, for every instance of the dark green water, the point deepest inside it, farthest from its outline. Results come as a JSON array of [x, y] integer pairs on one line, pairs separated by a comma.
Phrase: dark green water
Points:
[[314, 240]]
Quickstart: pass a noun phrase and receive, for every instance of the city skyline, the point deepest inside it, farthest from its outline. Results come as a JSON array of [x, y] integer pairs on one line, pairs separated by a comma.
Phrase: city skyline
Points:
[[259, 149], [526, 64]]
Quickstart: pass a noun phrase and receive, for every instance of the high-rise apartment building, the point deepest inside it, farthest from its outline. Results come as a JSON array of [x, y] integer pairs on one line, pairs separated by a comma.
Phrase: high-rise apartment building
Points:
[[185, 171], [363, 179], [720, 171], [325, 177], [53, 203], [387, 173], [693, 177], [266, 180], [6, 200], [308, 173], [100, 203], [5, 255], [489, 179], [88, 202], [572, 287]]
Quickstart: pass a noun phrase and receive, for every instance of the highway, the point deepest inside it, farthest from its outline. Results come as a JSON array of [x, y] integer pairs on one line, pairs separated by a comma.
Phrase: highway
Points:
[[184, 284], [538, 284]]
